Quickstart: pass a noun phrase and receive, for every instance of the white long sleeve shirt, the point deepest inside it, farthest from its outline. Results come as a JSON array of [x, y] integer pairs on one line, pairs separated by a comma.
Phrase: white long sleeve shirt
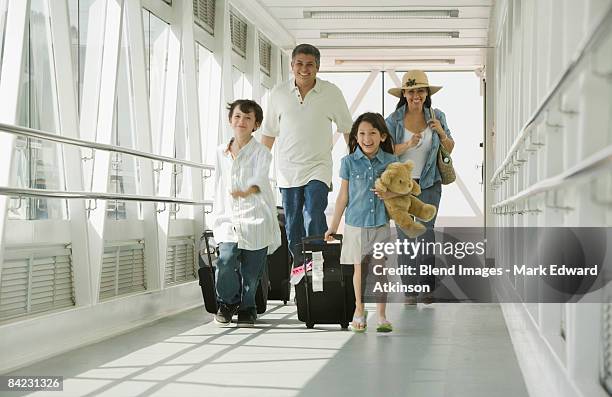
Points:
[[249, 221]]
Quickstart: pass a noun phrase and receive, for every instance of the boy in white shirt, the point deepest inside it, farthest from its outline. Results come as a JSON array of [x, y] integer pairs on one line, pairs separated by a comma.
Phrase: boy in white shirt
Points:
[[244, 215]]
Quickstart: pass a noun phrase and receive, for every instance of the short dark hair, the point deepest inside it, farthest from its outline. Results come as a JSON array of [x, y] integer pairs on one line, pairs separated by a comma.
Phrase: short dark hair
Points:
[[378, 122], [246, 106], [403, 101], [307, 49]]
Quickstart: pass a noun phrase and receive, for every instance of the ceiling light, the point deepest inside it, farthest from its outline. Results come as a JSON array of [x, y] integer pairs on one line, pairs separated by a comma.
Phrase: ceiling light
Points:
[[388, 35], [387, 14], [361, 61]]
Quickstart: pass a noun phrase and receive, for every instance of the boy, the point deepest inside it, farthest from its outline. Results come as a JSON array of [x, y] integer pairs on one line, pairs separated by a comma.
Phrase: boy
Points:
[[244, 221]]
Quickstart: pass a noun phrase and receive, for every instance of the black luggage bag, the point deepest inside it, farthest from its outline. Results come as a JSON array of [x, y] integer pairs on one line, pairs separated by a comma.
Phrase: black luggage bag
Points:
[[336, 303], [207, 261], [279, 265]]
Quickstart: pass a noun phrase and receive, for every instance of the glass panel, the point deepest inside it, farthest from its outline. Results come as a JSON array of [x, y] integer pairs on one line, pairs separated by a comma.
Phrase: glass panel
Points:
[[37, 163], [156, 58], [350, 83], [181, 176], [80, 12], [265, 95], [3, 8], [123, 177], [209, 94], [238, 80]]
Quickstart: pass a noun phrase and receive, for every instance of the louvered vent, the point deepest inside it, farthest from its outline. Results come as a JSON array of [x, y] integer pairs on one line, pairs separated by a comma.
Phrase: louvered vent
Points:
[[238, 30], [180, 261], [35, 281], [265, 55], [122, 270], [204, 14], [606, 344]]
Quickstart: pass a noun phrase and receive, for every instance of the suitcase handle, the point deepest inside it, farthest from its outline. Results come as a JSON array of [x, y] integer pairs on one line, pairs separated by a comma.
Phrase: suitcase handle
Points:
[[308, 239]]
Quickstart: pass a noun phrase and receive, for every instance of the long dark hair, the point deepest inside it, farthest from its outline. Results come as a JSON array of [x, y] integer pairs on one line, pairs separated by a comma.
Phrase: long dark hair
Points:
[[378, 122], [403, 101]]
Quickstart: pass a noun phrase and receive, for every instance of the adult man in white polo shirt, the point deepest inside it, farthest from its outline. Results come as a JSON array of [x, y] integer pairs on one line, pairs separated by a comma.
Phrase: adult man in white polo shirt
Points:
[[300, 115]]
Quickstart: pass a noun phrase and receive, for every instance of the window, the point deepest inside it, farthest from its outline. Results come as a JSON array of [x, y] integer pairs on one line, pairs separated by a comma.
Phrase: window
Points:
[[239, 81], [3, 8], [265, 55], [37, 163], [204, 14], [124, 173], [238, 31], [209, 94]]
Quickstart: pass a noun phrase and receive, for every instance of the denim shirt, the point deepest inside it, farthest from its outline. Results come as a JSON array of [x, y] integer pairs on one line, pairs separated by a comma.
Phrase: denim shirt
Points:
[[364, 209], [395, 122]]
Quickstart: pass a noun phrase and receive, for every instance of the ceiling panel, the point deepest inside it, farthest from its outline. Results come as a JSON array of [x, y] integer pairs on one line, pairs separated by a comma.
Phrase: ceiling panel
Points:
[[385, 31]]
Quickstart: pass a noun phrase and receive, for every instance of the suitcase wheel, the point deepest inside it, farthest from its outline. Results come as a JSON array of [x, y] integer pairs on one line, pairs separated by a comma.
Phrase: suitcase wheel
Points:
[[344, 326], [285, 303], [309, 325]]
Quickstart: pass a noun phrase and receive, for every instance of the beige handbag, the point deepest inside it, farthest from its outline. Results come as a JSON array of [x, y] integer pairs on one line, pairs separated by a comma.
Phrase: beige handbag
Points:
[[445, 162]]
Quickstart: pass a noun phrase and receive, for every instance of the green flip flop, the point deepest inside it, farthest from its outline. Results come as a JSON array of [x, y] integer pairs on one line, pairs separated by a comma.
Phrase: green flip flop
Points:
[[385, 326]]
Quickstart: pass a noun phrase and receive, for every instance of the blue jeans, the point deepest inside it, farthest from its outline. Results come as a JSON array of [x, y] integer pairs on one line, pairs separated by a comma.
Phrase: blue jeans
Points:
[[238, 273], [432, 196], [304, 214]]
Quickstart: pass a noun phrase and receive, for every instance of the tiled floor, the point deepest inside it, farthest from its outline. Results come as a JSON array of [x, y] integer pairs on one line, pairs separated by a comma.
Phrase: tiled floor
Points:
[[438, 350]]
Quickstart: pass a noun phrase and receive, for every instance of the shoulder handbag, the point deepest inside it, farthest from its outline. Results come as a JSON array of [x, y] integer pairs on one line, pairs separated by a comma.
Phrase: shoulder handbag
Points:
[[445, 162]]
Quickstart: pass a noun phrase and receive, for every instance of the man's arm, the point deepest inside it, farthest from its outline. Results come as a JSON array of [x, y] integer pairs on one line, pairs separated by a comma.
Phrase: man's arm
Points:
[[268, 141]]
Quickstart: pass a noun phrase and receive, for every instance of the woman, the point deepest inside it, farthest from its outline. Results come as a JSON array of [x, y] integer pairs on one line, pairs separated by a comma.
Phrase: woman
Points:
[[418, 137]]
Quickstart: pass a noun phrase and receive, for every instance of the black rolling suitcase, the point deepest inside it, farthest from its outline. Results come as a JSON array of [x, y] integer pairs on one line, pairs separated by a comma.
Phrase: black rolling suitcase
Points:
[[206, 273], [336, 303], [279, 265]]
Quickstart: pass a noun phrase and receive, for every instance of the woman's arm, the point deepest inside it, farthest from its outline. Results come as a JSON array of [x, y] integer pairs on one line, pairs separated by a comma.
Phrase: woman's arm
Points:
[[341, 202], [439, 125]]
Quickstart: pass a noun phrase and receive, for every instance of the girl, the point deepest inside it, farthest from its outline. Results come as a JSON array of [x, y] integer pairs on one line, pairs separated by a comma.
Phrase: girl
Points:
[[366, 221]]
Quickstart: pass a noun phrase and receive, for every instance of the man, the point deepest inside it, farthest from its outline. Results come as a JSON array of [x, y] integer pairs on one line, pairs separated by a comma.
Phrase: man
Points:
[[300, 115]]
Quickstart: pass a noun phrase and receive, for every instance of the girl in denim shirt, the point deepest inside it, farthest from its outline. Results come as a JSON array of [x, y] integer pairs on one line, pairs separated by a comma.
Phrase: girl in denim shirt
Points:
[[366, 221]]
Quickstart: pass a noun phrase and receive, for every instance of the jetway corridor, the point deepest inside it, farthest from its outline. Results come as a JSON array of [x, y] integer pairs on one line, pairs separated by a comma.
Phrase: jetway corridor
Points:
[[113, 122]]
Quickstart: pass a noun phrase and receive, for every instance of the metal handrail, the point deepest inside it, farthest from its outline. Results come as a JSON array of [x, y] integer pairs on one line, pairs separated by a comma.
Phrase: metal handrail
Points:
[[38, 134], [590, 167], [61, 194], [600, 29]]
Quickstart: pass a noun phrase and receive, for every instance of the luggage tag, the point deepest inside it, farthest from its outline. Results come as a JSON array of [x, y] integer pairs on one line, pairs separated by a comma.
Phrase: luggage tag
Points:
[[317, 271], [297, 273]]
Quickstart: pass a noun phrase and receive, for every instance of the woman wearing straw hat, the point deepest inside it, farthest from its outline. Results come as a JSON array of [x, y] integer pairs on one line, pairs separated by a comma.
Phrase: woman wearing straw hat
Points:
[[418, 131]]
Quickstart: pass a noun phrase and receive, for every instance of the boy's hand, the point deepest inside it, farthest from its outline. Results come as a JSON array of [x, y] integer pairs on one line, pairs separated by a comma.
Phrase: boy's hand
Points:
[[328, 235], [245, 193], [240, 193]]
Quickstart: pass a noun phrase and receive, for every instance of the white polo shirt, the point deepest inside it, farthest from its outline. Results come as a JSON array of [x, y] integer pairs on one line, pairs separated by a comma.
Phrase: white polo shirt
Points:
[[303, 131], [249, 221]]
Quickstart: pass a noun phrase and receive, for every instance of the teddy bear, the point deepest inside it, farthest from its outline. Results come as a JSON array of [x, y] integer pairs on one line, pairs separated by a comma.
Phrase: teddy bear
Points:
[[397, 178]]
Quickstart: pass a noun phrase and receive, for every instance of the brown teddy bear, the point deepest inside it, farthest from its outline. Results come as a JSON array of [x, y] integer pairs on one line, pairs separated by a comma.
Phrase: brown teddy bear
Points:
[[397, 178]]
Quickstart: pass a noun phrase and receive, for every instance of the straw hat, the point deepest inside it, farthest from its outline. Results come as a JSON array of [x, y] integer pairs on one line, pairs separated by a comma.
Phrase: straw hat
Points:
[[414, 79]]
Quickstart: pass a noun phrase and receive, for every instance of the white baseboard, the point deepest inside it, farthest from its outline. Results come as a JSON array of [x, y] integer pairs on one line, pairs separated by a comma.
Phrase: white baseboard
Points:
[[34, 339]]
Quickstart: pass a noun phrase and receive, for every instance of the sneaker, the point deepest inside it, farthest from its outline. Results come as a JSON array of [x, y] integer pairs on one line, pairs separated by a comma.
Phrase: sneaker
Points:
[[224, 315], [246, 318], [410, 300]]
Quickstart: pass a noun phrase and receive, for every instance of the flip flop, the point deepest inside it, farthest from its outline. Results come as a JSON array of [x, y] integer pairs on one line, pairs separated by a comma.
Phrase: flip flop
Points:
[[385, 326], [363, 320]]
